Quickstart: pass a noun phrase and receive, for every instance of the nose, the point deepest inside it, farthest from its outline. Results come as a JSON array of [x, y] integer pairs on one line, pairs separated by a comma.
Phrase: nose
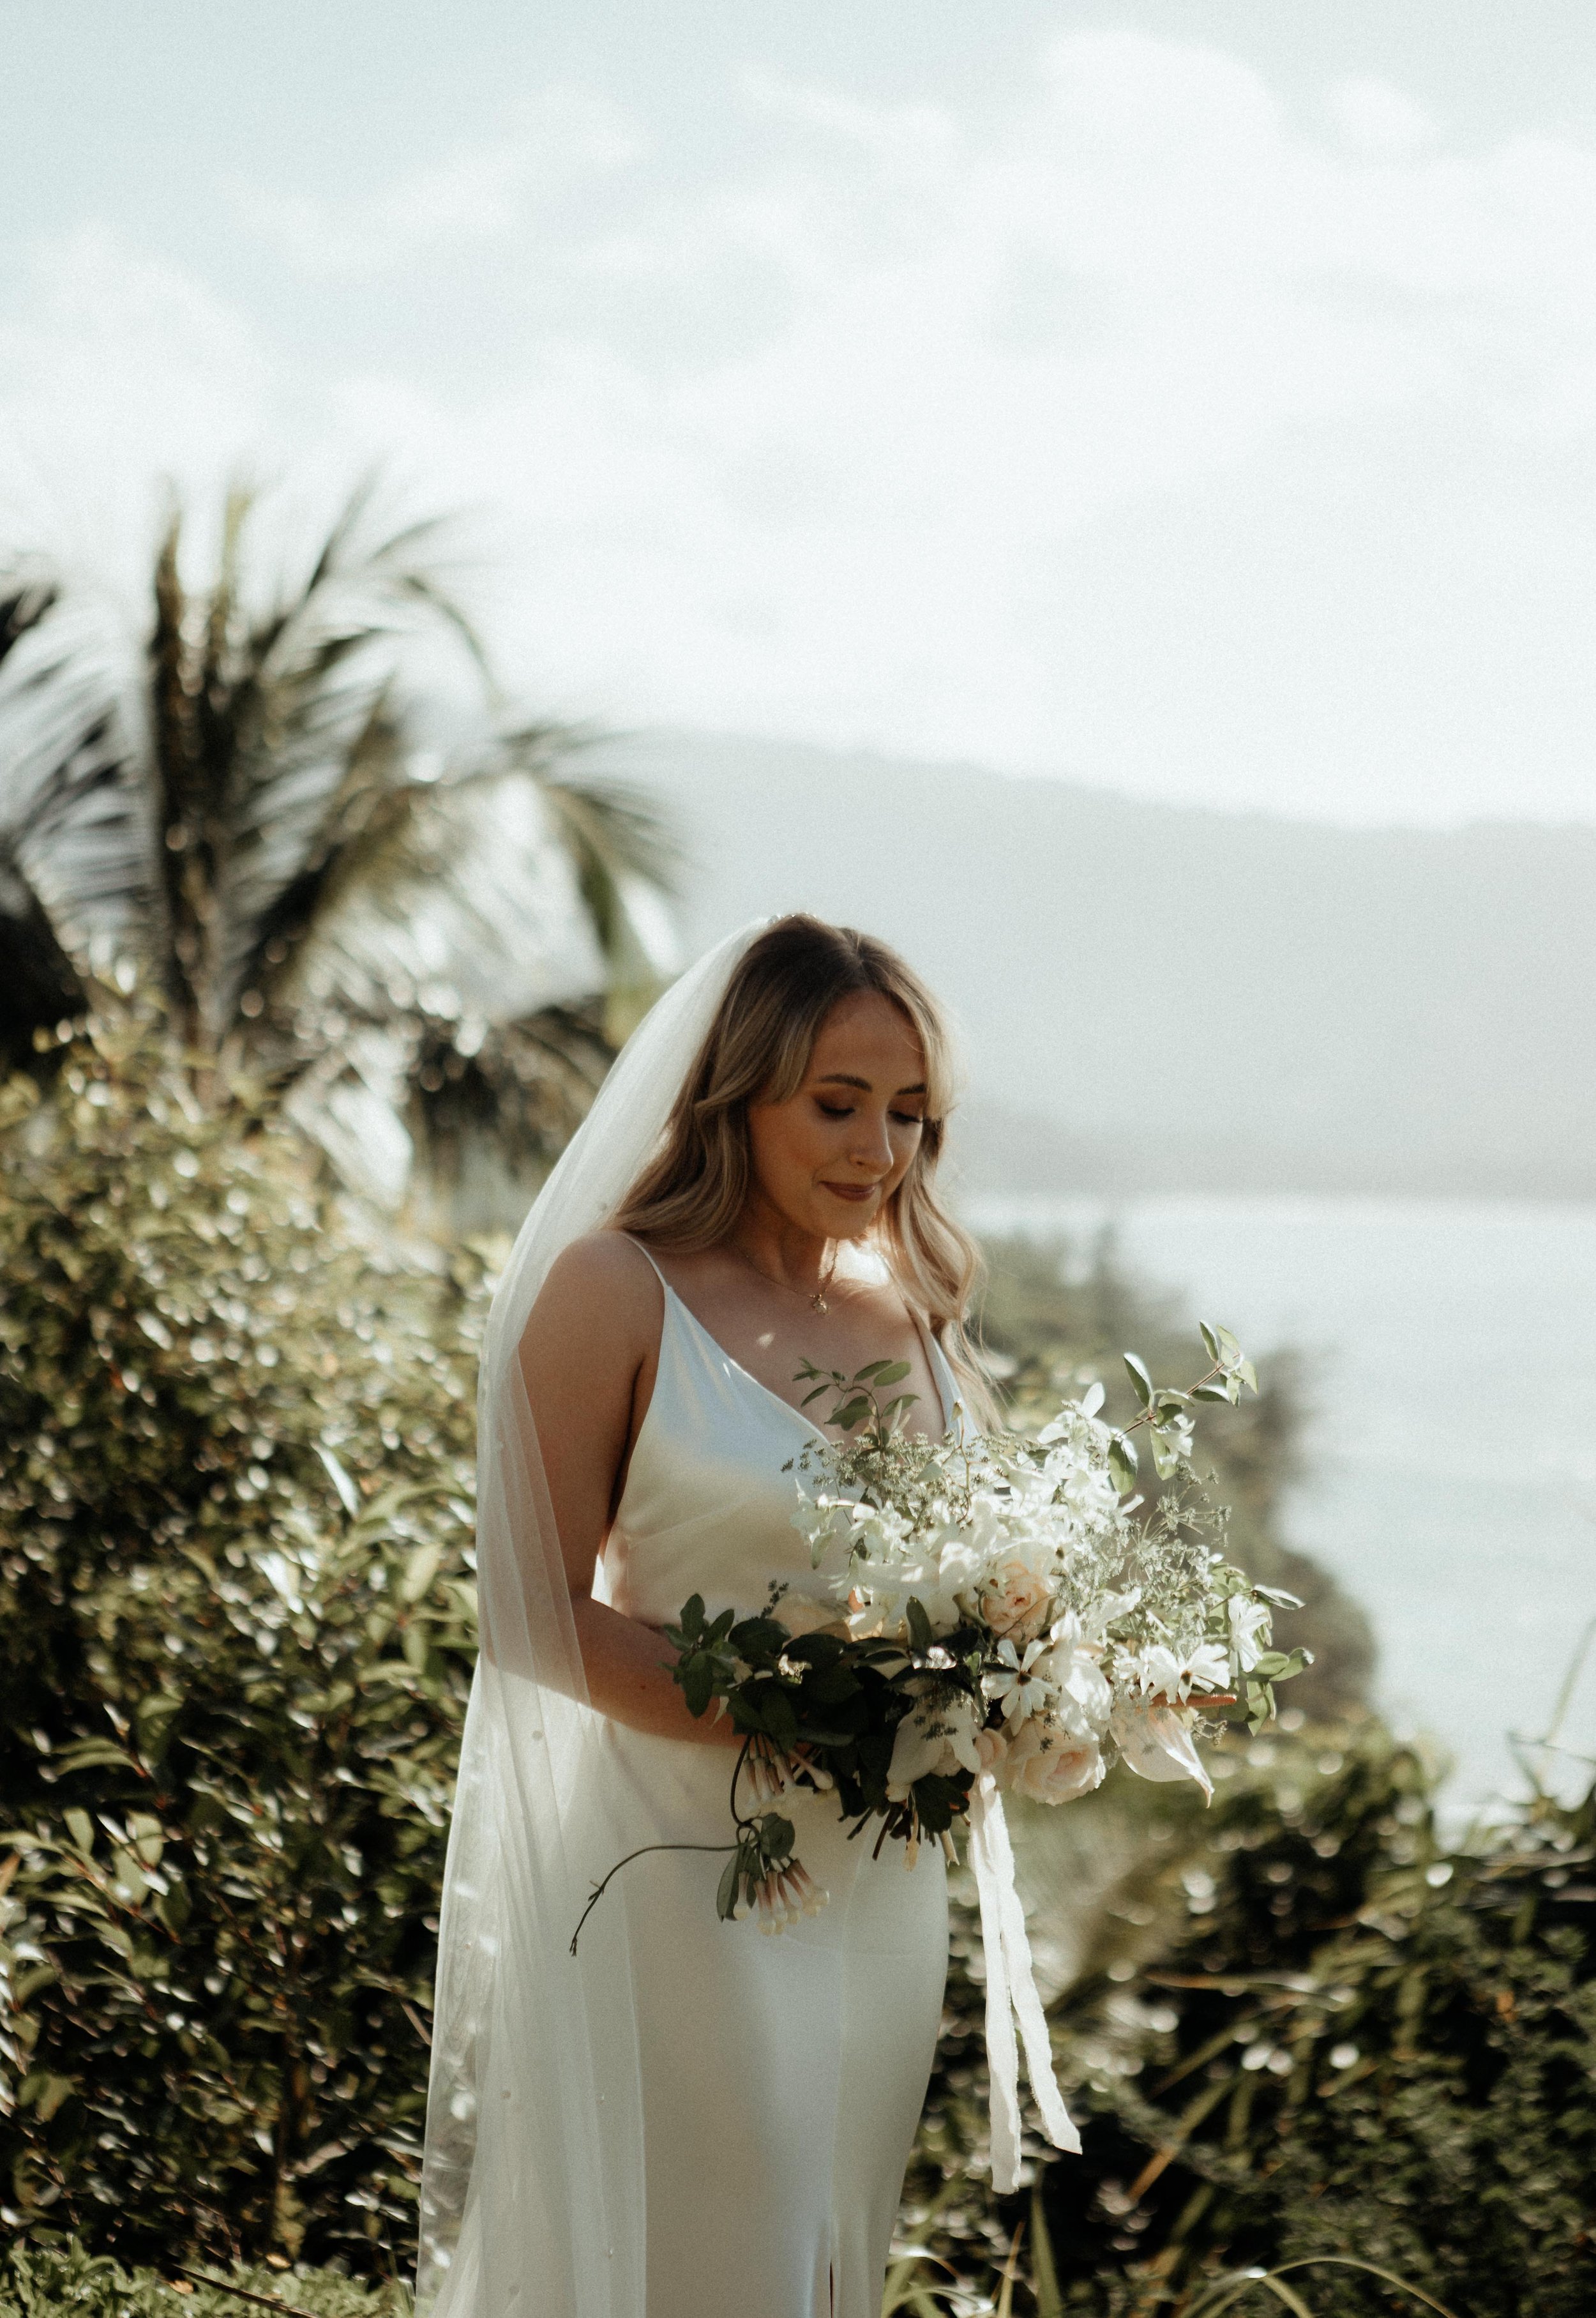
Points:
[[873, 1147]]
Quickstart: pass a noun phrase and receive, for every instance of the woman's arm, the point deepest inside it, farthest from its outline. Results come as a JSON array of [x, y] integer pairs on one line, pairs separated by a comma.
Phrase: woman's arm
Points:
[[589, 1357]]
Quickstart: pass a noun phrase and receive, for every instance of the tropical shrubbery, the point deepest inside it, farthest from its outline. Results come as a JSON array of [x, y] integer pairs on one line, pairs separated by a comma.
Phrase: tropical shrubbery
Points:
[[236, 1628], [1322, 2031]]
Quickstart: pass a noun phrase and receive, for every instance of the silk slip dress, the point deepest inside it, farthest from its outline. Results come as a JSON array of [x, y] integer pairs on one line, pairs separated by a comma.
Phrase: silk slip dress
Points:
[[783, 2077]]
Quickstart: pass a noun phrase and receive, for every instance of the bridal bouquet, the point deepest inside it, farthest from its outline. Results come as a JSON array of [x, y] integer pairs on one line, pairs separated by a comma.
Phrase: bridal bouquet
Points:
[[996, 1606]]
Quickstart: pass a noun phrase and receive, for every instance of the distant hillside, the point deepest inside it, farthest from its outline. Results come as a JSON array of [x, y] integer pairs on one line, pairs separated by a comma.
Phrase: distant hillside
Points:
[[1157, 998]]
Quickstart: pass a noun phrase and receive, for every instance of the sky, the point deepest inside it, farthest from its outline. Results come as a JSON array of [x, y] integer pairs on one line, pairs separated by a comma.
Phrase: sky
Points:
[[1193, 397]]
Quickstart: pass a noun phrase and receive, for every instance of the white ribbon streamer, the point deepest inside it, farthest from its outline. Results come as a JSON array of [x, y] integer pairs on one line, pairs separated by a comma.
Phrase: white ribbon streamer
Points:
[[1010, 1992]]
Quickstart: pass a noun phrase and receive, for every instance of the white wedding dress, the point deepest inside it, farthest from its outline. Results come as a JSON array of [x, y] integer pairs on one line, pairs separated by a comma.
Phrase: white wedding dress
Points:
[[781, 2077]]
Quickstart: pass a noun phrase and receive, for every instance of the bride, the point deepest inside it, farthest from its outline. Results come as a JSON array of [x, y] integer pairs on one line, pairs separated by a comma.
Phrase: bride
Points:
[[685, 2120]]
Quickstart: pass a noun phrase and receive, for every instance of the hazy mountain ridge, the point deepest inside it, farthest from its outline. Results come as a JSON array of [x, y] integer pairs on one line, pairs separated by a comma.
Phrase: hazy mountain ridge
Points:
[[1157, 997]]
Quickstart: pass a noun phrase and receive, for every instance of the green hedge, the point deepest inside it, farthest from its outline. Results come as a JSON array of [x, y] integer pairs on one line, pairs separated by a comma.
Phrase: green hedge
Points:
[[236, 1628]]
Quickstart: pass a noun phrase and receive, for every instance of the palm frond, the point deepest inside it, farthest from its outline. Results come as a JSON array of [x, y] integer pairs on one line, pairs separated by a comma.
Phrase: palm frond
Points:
[[70, 813], [611, 833], [39, 985], [487, 1125], [356, 839]]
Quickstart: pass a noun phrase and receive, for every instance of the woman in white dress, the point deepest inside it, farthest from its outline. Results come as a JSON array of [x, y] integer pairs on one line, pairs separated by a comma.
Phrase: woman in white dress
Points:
[[686, 2120]]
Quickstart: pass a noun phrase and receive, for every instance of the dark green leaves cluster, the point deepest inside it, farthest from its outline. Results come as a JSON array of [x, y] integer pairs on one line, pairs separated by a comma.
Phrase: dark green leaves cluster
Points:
[[236, 1622], [831, 1700]]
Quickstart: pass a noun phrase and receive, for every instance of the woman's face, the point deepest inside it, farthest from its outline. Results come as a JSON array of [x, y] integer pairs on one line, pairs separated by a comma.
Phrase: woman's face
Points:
[[830, 1157]]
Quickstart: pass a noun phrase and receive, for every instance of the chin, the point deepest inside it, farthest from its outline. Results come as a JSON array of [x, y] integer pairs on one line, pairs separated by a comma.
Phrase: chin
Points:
[[843, 1220]]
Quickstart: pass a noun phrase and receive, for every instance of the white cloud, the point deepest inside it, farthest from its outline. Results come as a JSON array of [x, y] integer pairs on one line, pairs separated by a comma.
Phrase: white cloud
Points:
[[1379, 118], [480, 193], [1122, 432]]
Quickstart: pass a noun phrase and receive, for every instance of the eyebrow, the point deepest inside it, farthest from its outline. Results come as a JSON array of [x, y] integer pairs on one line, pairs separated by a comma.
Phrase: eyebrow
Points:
[[845, 1078]]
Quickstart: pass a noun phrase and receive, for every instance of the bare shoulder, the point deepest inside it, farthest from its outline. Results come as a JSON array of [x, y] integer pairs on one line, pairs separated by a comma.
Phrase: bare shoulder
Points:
[[604, 1286]]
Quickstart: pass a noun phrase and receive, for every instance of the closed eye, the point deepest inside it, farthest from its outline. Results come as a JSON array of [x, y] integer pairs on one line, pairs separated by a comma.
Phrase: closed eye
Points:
[[846, 1110]]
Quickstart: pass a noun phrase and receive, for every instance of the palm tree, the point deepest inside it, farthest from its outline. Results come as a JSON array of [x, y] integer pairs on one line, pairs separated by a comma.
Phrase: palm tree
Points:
[[236, 810]]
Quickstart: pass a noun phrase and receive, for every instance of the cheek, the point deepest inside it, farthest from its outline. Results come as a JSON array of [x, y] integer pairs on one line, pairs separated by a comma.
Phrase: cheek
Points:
[[784, 1143]]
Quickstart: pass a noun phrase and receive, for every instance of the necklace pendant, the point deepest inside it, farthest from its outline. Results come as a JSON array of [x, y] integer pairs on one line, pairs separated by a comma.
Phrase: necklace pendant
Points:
[[819, 1300]]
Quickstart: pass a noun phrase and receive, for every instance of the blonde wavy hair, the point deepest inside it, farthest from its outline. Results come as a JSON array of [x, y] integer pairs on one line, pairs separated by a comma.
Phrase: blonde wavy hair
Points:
[[758, 1049]]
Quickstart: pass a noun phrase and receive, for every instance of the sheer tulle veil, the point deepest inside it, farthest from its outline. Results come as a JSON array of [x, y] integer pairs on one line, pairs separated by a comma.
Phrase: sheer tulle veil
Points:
[[533, 2189]]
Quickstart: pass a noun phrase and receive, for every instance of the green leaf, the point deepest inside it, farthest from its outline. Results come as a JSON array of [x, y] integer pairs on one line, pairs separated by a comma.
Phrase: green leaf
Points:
[[1138, 1375], [81, 1827], [756, 1638], [726, 1895], [1122, 1463], [421, 1567], [919, 1624], [1210, 1341], [776, 1838]]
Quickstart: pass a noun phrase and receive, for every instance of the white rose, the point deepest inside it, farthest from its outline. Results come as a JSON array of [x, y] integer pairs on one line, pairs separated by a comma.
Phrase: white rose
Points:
[[1049, 1765], [1016, 1600]]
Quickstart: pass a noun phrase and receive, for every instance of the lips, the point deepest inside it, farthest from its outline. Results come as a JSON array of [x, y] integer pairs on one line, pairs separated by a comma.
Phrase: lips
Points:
[[857, 1192]]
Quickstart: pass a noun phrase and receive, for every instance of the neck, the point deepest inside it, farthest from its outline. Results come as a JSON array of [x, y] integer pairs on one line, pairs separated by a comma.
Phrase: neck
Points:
[[799, 1259]]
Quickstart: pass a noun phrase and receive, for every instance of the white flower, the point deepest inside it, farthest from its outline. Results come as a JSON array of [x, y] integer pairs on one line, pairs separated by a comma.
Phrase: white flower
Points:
[[1015, 1682], [1082, 1698], [1156, 1743], [787, 1895], [1047, 1764], [1174, 1674], [1250, 1627], [937, 1735]]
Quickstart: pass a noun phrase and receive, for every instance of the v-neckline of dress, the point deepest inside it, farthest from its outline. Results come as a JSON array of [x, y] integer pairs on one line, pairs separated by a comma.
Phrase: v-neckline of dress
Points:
[[808, 1423]]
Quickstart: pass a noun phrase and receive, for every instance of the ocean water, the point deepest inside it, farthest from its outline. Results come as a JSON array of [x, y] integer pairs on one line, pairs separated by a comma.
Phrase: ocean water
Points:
[[1451, 1480]]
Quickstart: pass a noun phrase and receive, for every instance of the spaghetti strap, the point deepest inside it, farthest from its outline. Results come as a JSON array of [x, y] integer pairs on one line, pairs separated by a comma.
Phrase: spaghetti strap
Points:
[[643, 1251]]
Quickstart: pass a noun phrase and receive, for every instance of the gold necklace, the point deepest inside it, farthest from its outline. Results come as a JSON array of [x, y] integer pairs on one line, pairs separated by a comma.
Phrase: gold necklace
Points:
[[817, 1300]]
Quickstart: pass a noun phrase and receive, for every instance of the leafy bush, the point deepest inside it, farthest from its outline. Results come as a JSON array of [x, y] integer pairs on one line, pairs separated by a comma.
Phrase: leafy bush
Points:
[[67, 2282], [1327, 2033], [236, 1631]]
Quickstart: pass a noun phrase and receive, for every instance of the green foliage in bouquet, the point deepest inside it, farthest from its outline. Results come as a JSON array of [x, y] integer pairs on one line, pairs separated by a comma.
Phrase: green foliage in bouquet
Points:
[[236, 1624], [1328, 2034]]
